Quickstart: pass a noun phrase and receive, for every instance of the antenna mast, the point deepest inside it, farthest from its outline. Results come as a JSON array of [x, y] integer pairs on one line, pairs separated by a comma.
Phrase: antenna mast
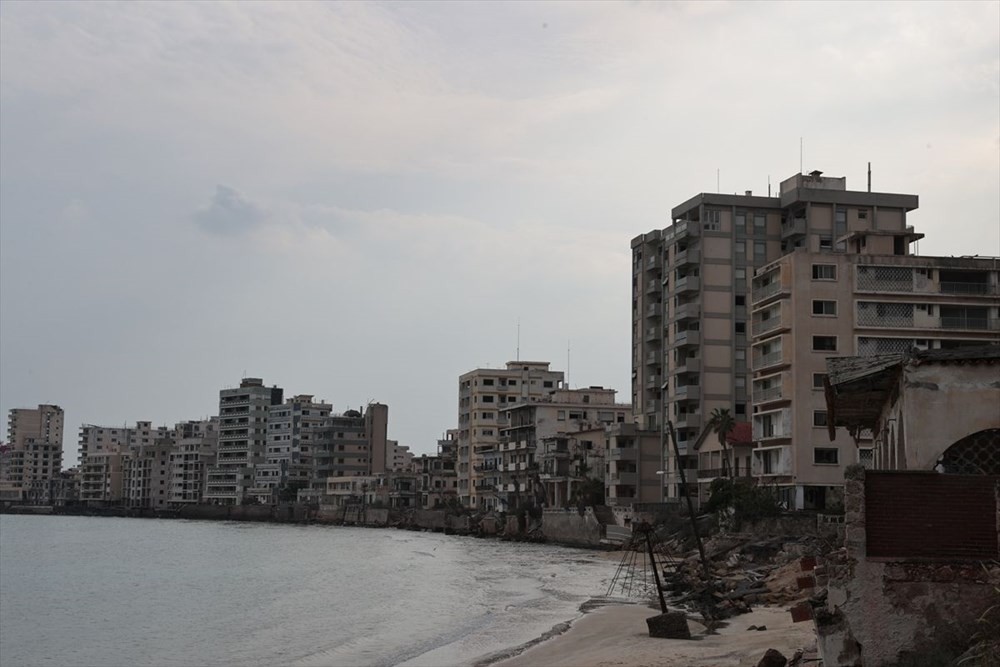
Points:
[[567, 364], [800, 155], [518, 357]]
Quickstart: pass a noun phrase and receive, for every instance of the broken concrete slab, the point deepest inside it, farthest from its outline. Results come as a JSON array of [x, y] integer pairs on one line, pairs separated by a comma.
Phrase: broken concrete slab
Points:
[[671, 625]]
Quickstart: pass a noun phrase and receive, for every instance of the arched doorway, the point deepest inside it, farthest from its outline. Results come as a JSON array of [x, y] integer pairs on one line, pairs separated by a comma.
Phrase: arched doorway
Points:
[[975, 454]]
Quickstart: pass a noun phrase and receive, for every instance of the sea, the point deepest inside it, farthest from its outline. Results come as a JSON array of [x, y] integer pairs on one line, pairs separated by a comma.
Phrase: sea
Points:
[[110, 592]]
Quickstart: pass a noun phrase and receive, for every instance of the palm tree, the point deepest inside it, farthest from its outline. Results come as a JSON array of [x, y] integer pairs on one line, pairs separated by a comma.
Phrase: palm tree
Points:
[[722, 423]]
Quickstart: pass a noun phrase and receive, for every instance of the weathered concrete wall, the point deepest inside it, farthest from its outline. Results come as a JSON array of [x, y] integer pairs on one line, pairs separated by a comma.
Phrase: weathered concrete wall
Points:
[[882, 612], [969, 390], [570, 527], [429, 519]]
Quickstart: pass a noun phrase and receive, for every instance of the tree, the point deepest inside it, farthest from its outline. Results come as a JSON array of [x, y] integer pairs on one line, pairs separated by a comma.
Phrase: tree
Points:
[[721, 422]]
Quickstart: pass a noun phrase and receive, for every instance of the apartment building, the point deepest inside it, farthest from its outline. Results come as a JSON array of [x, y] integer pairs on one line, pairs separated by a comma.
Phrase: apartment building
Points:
[[868, 300], [482, 393], [511, 474], [293, 434], [437, 480], [146, 478], [106, 454], [398, 457], [567, 461], [32, 458], [243, 414], [194, 451], [633, 466], [692, 317], [351, 444]]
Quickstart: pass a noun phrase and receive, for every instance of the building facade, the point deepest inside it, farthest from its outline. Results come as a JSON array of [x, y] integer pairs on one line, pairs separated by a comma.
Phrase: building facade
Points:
[[482, 394], [293, 434], [243, 414], [703, 339], [196, 445], [32, 458]]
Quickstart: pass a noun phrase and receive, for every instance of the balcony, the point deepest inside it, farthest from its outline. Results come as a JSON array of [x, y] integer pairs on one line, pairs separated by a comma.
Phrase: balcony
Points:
[[653, 334], [654, 262], [792, 228], [654, 309], [686, 228], [762, 361], [687, 338], [622, 454], [687, 284], [772, 461], [767, 395], [685, 312], [970, 288], [653, 358], [970, 323], [654, 286], [688, 420], [654, 381], [688, 365], [689, 256], [762, 293], [626, 478]]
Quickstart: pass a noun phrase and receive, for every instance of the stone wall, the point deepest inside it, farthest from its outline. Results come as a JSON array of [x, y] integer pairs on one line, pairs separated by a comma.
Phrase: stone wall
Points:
[[882, 612], [571, 527]]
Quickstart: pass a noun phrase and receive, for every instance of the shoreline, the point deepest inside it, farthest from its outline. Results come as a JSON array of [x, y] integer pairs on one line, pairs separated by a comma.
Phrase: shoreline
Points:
[[613, 633]]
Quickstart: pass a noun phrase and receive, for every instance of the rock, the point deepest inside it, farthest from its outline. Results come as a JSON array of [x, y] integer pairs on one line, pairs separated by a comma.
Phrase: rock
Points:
[[752, 627], [773, 658], [671, 625], [762, 628]]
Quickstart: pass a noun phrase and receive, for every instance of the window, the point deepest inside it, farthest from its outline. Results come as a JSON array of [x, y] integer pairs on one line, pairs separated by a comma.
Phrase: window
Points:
[[488, 382], [818, 379], [759, 223], [713, 220], [741, 408], [759, 249], [824, 307], [487, 399], [547, 384], [511, 383], [824, 271], [819, 418], [825, 244], [741, 299], [826, 456], [825, 343], [561, 415], [741, 327]]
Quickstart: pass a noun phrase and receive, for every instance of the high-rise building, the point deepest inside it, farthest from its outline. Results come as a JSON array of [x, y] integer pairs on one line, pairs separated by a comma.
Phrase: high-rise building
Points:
[[351, 444], [193, 453], [482, 393], [243, 414], [32, 457], [106, 462], [293, 429], [693, 312]]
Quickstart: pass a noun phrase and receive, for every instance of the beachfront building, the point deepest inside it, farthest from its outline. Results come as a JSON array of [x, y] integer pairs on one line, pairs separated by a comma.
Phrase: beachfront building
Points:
[[867, 300], [398, 457], [513, 475], [438, 483], [482, 395], [351, 444], [634, 457], [31, 459], [293, 435], [147, 475], [243, 414], [566, 462], [194, 451], [106, 455], [698, 327]]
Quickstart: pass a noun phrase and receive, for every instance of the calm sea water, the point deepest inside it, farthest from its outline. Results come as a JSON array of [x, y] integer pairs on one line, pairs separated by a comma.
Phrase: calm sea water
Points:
[[124, 592]]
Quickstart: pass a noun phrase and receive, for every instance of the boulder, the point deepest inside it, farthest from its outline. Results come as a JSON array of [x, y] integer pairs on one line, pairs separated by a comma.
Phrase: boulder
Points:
[[671, 625]]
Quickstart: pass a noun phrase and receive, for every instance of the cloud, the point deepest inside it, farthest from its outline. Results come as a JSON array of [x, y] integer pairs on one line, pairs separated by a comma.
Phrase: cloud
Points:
[[229, 213]]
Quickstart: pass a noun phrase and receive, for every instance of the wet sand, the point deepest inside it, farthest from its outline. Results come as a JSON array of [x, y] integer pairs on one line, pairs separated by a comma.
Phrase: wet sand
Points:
[[616, 636]]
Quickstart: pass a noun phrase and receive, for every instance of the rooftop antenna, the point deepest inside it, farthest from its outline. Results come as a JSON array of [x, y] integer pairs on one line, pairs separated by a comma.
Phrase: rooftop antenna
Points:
[[769, 185], [717, 188], [567, 364], [869, 177], [800, 155], [518, 357]]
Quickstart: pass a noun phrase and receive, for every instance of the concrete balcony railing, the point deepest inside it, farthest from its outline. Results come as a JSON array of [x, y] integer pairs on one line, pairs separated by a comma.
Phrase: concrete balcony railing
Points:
[[792, 228], [761, 326], [689, 365], [762, 361], [654, 286], [769, 394], [689, 337], [685, 311], [654, 309], [765, 291], [622, 454], [627, 478], [689, 256], [687, 284], [972, 288]]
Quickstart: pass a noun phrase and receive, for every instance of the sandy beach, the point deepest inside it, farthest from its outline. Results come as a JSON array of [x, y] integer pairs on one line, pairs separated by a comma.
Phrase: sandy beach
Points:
[[616, 636]]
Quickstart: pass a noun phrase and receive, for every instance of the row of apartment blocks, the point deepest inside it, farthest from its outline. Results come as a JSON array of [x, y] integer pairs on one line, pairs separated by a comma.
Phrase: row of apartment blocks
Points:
[[31, 459], [737, 304]]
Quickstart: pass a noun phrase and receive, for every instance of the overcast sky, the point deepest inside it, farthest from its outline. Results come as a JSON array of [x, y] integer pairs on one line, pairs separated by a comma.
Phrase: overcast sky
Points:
[[359, 201]]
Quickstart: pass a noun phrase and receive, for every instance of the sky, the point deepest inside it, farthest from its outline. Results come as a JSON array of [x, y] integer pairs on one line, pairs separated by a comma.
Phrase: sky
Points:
[[361, 201]]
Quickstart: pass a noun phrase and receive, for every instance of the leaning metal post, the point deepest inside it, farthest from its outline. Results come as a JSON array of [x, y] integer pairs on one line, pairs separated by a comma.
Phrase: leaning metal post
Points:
[[652, 561], [694, 521]]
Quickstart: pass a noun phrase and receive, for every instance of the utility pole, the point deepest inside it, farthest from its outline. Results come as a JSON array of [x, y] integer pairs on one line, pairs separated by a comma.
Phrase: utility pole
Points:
[[690, 504]]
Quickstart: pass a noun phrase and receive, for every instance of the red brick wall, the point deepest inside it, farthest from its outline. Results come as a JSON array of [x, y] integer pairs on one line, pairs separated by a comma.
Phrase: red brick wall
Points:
[[929, 515]]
